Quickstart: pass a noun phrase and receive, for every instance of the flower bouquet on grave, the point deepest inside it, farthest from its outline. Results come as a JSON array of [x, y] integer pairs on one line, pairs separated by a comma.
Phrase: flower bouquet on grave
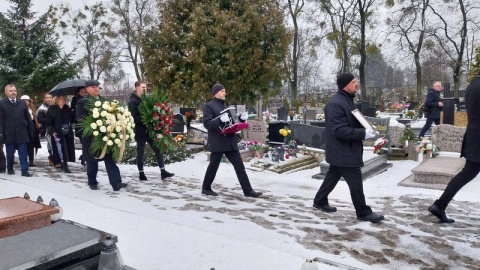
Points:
[[255, 146], [426, 147], [111, 125], [157, 116], [377, 146]]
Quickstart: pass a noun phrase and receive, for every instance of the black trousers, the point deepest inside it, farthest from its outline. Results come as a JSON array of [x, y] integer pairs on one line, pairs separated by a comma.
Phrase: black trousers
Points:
[[141, 142], [428, 124], [113, 172], [469, 171], [236, 160], [3, 159], [353, 177]]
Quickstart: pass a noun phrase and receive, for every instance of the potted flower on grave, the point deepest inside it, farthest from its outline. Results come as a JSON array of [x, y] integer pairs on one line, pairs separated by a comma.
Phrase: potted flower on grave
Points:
[[290, 143], [189, 116], [427, 148], [255, 146]]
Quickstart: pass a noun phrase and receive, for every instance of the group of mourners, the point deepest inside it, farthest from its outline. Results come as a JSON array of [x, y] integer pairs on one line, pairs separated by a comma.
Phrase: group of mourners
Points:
[[21, 126]]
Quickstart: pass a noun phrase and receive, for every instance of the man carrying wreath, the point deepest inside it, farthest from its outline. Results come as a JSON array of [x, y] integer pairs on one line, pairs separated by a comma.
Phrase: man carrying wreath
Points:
[[141, 135], [93, 93]]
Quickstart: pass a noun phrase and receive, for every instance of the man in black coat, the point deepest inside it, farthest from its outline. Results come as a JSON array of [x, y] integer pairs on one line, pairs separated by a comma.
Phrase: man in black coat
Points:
[[113, 172], [222, 144], [141, 135], [344, 150], [470, 151], [434, 106], [16, 128]]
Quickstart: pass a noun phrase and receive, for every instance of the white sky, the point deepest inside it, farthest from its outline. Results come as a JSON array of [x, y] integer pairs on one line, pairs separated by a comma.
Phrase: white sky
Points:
[[169, 225]]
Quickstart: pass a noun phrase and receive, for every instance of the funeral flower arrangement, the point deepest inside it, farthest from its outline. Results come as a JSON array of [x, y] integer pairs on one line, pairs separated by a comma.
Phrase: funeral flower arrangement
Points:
[[158, 119], [111, 125], [180, 139], [379, 143], [287, 134], [254, 145], [426, 147]]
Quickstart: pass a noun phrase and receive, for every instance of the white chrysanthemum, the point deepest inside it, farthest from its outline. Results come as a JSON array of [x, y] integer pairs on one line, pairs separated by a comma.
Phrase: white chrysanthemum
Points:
[[105, 138], [113, 135], [96, 115], [98, 103], [93, 126], [117, 141], [103, 129], [132, 136], [95, 133], [107, 122], [96, 110], [105, 106], [109, 143], [99, 122], [121, 109], [118, 128], [126, 137], [103, 114], [128, 113], [120, 136], [160, 136]]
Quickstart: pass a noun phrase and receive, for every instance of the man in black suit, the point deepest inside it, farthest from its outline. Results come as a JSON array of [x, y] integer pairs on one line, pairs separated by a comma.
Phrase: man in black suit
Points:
[[222, 144], [16, 128], [93, 90], [434, 106], [470, 151]]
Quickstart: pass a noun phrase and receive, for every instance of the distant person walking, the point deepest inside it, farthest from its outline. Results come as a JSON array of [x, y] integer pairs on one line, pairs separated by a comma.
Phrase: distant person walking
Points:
[[16, 128], [34, 144], [470, 151], [141, 135], [113, 172], [222, 144], [433, 106], [344, 150], [81, 93]]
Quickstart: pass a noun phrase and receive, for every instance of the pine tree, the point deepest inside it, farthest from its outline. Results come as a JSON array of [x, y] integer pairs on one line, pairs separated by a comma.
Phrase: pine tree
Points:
[[475, 66], [30, 51], [241, 44]]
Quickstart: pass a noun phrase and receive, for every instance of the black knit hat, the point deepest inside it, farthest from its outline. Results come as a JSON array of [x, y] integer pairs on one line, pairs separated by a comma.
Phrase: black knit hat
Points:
[[217, 88], [344, 79]]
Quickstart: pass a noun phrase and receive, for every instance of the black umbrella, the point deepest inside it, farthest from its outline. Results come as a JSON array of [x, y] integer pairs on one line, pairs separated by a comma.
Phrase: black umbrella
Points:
[[68, 87]]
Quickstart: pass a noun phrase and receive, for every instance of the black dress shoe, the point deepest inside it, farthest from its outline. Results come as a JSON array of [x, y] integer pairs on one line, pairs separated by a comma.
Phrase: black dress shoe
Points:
[[31, 164], [325, 208], [372, 217], [440, 214], [11, 172], [121, 185], [209, 192], [94, 187], [142, 176], [2, 171], [27, 174], [253, 194], [164, 174]]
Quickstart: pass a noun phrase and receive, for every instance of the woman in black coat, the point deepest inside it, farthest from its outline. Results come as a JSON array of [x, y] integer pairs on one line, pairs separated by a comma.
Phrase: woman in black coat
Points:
[[34, 144], [59, 126]]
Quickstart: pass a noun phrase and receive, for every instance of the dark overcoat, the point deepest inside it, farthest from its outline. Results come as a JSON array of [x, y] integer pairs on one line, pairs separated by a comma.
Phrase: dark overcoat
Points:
[[211, 121], [140, 128], [15, 122], [56, 118], [471, 139], [343, 132], [83, 111], [431, 102]]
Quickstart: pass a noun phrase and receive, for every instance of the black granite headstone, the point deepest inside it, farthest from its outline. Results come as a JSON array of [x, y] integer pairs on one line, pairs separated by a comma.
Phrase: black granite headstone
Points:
[[282, 113], [308, 135], [274, 135], [448, 111], [382, 125], [371, 112], [178, 124]]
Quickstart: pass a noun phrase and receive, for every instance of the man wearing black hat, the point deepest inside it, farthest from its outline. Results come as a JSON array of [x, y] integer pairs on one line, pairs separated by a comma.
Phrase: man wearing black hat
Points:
[[344, 150], [222, 144], [93, 92]]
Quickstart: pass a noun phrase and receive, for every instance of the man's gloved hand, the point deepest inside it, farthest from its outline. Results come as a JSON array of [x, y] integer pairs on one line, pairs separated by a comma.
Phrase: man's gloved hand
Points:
[[244, 116], [1, 138], [224, 118], [370, 134]]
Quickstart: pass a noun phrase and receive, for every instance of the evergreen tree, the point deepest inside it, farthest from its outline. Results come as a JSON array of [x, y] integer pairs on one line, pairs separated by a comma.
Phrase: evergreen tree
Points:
[[30, 51], [241, 44], [475, 66]]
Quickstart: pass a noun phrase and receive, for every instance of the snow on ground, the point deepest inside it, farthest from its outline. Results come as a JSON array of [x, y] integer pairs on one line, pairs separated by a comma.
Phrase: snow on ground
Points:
[[170, 225]]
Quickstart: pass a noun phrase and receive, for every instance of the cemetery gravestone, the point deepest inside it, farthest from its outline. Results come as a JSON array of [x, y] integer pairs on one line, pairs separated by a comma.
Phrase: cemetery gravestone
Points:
[[382, 125], [448, 111], [449, 138], [256, 131], [308, 135], [282, 113], [184, 110], [196, 136], [178, 124], [274, 136], [311, 114], [241, 108], [396, 134]]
